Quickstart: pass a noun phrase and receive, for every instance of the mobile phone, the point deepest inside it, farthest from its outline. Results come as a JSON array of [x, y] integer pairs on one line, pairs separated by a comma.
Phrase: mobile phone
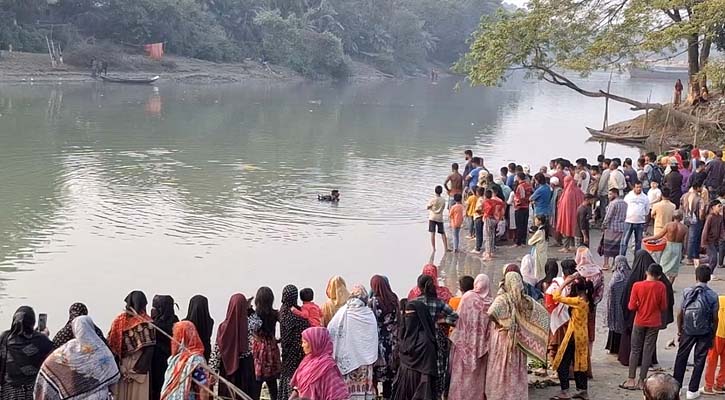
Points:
[[42, 322]]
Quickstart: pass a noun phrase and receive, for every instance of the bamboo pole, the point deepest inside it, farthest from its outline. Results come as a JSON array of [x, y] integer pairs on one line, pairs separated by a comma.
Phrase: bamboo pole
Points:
[[50, 52], [662, 137]]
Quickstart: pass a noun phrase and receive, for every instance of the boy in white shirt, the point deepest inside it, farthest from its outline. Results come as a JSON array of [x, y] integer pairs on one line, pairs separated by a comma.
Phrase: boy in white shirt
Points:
[[436, 206], [654, 194]]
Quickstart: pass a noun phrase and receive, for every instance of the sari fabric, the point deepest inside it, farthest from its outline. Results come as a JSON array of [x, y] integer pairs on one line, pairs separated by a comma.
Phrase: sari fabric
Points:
[[337, 295], [318, 376], [84, 367], [133, 319], [571, 199], [470, 343], [620, 275], [184, 363], [526, 321], [443, 293]]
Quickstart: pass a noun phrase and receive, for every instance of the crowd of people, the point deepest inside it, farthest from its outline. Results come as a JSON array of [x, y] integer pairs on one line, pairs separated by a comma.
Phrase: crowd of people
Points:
[[366, 342]]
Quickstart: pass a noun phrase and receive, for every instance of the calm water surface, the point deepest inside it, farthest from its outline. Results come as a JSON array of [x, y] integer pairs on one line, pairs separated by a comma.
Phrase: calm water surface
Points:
[[186, 189]]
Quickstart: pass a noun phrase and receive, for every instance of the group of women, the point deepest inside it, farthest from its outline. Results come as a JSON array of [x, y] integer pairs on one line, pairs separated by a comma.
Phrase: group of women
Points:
[[414, 348]]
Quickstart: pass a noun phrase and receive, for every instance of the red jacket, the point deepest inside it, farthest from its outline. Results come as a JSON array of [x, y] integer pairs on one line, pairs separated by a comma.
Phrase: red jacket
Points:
[[522, 195]]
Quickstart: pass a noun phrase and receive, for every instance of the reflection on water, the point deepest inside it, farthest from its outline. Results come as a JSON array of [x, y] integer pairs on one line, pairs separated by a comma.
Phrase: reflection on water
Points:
[[187, 189]]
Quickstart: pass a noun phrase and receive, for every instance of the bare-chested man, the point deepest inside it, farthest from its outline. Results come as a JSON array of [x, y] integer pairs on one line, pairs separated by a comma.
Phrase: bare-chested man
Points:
[[675, 233], [456, 184]]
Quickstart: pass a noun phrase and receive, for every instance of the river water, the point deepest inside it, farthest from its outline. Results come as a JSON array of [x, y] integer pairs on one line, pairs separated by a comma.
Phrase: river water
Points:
[[188, 189]]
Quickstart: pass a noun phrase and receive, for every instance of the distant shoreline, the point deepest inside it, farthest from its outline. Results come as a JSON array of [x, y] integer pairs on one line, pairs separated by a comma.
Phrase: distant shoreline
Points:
[[19, 67]]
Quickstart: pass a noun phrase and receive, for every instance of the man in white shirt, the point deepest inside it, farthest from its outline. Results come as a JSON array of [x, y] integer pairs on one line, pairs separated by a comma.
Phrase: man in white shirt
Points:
[[616, 178], [638, 208], [436, 206]]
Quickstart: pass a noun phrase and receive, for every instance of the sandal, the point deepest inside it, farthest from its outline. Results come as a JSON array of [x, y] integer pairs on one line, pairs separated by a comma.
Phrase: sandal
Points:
[[625, 387], [561, 396]]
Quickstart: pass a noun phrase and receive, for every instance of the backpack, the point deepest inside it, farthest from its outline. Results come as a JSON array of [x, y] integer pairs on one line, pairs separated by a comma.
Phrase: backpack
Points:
[[657, 174], [697, 313]]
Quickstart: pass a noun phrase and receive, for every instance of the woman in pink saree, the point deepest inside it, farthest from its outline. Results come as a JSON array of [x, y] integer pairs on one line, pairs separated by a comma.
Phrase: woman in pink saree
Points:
[[469, 354]]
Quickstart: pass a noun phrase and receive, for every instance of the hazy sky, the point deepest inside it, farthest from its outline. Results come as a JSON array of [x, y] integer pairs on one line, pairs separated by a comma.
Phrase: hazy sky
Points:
[[519, 3]]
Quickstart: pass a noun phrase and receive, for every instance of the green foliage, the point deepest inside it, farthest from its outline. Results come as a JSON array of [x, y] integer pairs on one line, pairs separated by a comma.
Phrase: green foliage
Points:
[[288, 41], [715, 71], [315, 37], [586, 35]]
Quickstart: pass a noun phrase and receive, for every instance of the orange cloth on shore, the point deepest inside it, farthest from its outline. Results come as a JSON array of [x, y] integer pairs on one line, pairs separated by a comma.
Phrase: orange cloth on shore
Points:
[[155, 50]]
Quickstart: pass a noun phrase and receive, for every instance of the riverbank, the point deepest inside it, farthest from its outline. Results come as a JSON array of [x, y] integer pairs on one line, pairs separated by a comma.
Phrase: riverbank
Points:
[[18, 67], [608, 372], [666, 130]]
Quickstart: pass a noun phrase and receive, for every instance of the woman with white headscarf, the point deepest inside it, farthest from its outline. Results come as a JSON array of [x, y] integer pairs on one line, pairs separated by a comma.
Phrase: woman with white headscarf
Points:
[[83, 368], [354, 332], [469, 353]]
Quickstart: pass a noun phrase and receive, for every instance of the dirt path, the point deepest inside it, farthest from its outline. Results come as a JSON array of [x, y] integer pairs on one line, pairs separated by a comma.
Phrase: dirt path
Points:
[[607, 371]]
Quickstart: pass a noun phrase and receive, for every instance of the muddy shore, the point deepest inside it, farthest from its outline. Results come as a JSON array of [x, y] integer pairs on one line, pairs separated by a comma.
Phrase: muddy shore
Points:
[[20, 67], [607, 371]]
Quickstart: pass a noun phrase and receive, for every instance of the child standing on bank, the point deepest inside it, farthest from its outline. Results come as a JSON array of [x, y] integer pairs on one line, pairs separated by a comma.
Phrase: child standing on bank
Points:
[[471, 202], [583, 218], [436, 206], [456, 219]]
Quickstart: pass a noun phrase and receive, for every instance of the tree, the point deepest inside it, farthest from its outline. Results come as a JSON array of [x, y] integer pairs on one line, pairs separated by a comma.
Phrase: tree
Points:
[[588, 35]]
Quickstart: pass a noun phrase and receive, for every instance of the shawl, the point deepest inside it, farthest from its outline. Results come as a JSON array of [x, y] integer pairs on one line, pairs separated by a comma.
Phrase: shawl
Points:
[[526, 321], [560, 314], [232, 337], [79, 368], [417, 348], [337, 294], [354, 332], [184, 360], [65, 334], [470, 337], [571, 199], [134, 318], [620, 276], [199, 315], [387, 300], [319, 365], [22, 349], [590, 271], [528, 269], [443, 293]]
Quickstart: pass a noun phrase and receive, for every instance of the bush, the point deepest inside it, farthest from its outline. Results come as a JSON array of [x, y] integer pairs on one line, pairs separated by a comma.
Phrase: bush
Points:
[[31, 39]]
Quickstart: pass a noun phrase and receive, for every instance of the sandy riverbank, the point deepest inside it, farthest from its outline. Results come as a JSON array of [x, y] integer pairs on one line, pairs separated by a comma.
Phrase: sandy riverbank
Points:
[[19, 67], [608, 373]]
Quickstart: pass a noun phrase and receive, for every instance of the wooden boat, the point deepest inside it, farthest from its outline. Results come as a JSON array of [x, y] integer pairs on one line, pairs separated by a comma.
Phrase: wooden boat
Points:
[[132, 81], [602, 135]]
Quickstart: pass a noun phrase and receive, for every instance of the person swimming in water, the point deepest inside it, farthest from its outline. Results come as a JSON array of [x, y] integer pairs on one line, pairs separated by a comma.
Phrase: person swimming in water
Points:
[[333, 197]]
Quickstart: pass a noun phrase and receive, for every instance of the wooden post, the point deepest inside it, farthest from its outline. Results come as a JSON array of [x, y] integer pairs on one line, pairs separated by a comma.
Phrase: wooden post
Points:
[[605, 124], [50, 52], [646, 114], [662, 137]]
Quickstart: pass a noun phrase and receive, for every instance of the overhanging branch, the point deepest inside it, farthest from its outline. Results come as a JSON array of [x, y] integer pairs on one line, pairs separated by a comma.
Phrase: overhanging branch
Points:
[[551, 76]]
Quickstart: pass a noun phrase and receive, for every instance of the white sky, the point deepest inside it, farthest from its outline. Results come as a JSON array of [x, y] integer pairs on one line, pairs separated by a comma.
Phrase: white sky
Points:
[[519, 3]]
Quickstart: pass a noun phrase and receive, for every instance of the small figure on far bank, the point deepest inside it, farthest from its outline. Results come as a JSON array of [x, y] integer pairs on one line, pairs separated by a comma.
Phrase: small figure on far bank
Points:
[[436, 206], [678, 92], [434, 75]]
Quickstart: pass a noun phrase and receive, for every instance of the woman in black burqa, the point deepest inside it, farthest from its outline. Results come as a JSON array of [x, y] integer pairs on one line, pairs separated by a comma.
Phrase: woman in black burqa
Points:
[[416, 377], [198, 315], [162, 312]]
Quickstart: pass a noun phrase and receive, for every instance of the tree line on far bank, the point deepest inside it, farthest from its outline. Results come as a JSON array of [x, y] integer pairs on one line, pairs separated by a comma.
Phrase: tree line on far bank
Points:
[[314, 37]]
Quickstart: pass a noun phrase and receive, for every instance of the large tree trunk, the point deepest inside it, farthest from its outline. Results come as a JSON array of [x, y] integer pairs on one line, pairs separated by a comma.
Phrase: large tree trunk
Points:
[[693, 66], [704, 57]]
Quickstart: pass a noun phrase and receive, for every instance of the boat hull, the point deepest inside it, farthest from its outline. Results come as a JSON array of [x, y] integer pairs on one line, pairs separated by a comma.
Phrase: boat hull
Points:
[[130, 81]]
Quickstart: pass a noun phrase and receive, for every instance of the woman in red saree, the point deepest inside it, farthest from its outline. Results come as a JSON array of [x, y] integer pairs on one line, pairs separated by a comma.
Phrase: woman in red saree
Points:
[[566, 211]]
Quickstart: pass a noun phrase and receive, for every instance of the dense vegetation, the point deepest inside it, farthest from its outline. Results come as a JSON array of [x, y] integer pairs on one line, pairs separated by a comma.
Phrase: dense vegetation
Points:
[[314, 37]]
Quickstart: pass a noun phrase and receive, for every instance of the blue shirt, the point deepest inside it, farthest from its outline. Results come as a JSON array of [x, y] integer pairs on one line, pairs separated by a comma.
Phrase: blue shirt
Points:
[[542, 200], [474, 177], [510, 180]]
